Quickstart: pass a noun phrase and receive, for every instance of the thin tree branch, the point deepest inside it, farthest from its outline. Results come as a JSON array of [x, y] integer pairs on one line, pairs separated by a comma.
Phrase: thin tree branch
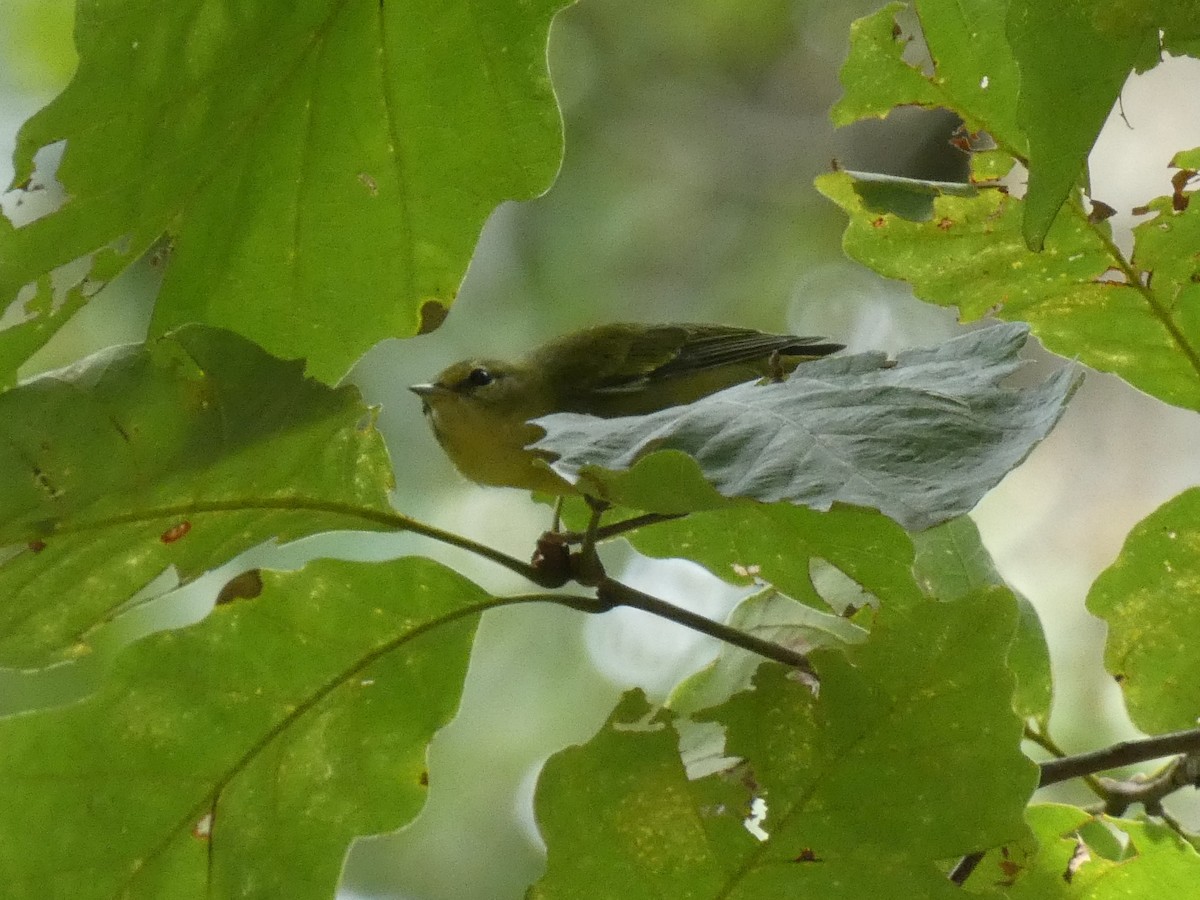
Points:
[[1181, 772], [1122, 754], [1047, 743], [355, 513], [607, 532], [489, 553], [574, 601], [613, 593]]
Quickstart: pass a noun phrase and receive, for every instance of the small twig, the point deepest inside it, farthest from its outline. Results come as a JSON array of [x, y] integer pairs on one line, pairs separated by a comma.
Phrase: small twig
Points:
[[405, 523], [614, 593], [574, 601], [1047, 743], [1122, 754], [607, 532], [1044, 741], [611, 594], [1184, 771], [1181, 772]]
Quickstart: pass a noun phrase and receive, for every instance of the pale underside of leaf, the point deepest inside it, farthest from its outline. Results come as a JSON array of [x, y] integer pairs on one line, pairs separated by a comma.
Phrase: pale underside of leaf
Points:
[[921, 439]]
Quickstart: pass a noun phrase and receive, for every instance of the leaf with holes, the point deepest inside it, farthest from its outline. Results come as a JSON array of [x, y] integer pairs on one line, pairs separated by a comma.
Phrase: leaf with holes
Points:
[[1148, 597], [1077, 857], [182, 453], [240, 756], [1075, 294], [858, 799], [318, 200]]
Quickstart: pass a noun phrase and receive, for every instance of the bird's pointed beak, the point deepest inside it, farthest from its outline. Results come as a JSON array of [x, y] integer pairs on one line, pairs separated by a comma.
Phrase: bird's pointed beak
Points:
[[428, 393]]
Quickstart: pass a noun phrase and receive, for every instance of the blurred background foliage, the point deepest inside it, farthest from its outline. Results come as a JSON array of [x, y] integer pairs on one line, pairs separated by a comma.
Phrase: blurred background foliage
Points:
[[693, 133]]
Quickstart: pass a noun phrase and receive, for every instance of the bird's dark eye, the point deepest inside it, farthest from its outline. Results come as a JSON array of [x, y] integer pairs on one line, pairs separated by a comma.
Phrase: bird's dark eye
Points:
[[478, 377]]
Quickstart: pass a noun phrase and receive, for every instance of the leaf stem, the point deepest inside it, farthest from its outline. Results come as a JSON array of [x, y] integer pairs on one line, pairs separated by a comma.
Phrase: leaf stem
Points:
[[607, 532], [1181, 772], [388, 519], [1047, 743], [1122, 754], [1135, 281]]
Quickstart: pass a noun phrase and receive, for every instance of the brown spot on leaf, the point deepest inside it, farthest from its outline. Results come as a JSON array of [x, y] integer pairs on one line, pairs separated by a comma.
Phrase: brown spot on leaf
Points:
[[175, 532], [1009, 867], [161, 251], [246, 586], [433, 314], [1100, 212], [879, 222], [36, 546], [423, 778], [807, 855], [1180, 180], [971, 141], [945, 224]]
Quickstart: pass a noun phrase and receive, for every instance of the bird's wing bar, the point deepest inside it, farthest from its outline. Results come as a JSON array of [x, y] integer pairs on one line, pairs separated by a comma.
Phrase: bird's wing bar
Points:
[[710, 351]]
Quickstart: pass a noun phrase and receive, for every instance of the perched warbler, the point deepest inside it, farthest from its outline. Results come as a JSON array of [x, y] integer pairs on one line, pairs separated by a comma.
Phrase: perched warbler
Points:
[[480, 408]]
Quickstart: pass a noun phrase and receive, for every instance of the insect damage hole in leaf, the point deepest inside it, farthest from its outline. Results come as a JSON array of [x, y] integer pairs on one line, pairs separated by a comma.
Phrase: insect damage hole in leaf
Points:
[[37, 192]]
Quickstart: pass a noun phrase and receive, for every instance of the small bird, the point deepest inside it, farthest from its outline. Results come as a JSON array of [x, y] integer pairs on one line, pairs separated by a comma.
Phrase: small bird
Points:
[[480, 409]]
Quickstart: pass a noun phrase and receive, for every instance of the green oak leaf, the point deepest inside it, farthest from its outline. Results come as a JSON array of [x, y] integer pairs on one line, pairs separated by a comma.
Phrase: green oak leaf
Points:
[[316, 174], [1075, 294], [1063, 863], [779, 544], [240, 756], [856, 781], [1039, 78], [974, 73], [951, 563], [1073, 57], [180, 453], [1148, 597], [921, 440]]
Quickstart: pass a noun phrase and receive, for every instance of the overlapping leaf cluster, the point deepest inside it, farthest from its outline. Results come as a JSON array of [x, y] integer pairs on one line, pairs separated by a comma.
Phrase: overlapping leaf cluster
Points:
[[1081, 296], [1048, 83], [241, 755], [1040, 82], [240, 143], [921, 438]]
